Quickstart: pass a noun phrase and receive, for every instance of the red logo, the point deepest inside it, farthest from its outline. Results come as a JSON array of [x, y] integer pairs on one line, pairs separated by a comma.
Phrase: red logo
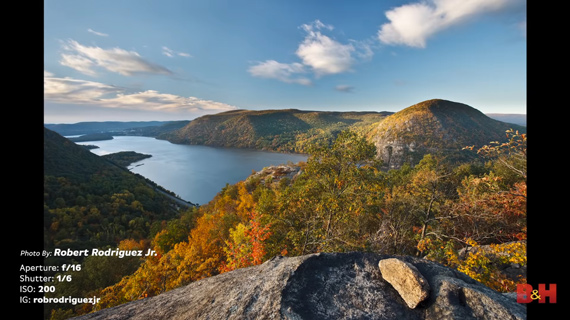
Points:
[[525, 293]]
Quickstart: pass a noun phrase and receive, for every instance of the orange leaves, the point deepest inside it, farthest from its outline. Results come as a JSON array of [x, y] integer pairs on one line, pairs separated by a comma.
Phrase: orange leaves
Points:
[[491, 210], [246, 246], [258, 233]]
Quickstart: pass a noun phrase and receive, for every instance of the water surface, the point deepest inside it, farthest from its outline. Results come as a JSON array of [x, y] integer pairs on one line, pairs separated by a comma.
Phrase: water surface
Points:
[[194, 173]]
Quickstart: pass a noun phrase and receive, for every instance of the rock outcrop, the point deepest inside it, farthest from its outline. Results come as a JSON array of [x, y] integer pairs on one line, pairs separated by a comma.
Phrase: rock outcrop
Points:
[[272, 175], [406, 279], [323, 286]]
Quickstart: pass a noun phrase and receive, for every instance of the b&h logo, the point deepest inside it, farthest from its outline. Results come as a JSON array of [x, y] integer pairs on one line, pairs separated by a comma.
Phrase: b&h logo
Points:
[[526, 294]]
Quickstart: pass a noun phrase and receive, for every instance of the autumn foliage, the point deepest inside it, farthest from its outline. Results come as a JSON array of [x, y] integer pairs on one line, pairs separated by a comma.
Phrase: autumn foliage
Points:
[[246, 246]]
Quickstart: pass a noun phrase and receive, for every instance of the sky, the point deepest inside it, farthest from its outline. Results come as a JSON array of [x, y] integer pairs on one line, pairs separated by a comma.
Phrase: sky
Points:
[[142, 60]]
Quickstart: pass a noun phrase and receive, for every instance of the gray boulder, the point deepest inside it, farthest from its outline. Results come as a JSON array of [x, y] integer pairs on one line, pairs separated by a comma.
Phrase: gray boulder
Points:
[[322, 286]]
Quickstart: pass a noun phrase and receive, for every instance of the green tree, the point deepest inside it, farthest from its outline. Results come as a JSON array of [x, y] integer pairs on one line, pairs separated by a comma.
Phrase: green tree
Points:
[[414, 204], [331, 206]]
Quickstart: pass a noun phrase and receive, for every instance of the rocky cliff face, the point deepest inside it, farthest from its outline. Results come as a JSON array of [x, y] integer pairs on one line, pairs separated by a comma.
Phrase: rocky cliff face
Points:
[[328, 286]]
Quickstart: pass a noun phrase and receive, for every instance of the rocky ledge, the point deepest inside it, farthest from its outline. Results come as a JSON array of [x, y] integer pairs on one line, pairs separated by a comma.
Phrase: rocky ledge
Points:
[[328, 286], [274, 174]]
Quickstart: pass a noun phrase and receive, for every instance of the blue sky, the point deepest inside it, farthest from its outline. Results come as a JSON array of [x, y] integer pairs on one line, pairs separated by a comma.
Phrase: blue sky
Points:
[[137, 60]]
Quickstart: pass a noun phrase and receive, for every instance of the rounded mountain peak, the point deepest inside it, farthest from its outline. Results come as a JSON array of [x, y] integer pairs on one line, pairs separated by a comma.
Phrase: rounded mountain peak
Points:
[[434, 126], [441, 107]]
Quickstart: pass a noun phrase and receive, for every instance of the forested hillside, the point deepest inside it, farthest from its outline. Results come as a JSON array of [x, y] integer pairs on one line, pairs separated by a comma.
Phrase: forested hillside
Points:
[[91, 202], [277, 130]]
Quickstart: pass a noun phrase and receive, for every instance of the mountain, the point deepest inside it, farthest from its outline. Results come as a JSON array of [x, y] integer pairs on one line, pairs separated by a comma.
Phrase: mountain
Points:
[[288, 130], [64, 158], [328, 286], [435, 126], [141, 128]]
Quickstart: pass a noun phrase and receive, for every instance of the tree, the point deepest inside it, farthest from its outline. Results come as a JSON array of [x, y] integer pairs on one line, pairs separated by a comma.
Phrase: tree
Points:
[[330, 206], [414, 206], [246, 246], [96, 273], [490, 211], [511, 154], [492, 208], [175, 230], [487, 213]]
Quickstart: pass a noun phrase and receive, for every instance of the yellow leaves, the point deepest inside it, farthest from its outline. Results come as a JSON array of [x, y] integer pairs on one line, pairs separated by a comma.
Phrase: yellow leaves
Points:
[[512, 252], [483, 263], [339, 184], [471, 242], [245, 202]]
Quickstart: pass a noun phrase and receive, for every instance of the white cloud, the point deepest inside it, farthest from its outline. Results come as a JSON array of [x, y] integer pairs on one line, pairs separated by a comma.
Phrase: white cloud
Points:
[[97, 33], [323, 54], [316, 25], [154, 100], [272, 69], [412, 24], [171, 53], [167, 52], [78, 92], [68, 90], [84, 59], [319, 54], [79, 63]]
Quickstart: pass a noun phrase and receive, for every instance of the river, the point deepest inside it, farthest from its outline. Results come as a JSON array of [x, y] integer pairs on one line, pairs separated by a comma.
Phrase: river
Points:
[[195, 173]]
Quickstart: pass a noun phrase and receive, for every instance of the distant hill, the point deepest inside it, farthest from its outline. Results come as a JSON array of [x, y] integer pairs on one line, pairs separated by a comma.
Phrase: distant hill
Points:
[[141, 128], [126, 158], [435, 126], [92, 137], [519, 119], [287, 130]]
